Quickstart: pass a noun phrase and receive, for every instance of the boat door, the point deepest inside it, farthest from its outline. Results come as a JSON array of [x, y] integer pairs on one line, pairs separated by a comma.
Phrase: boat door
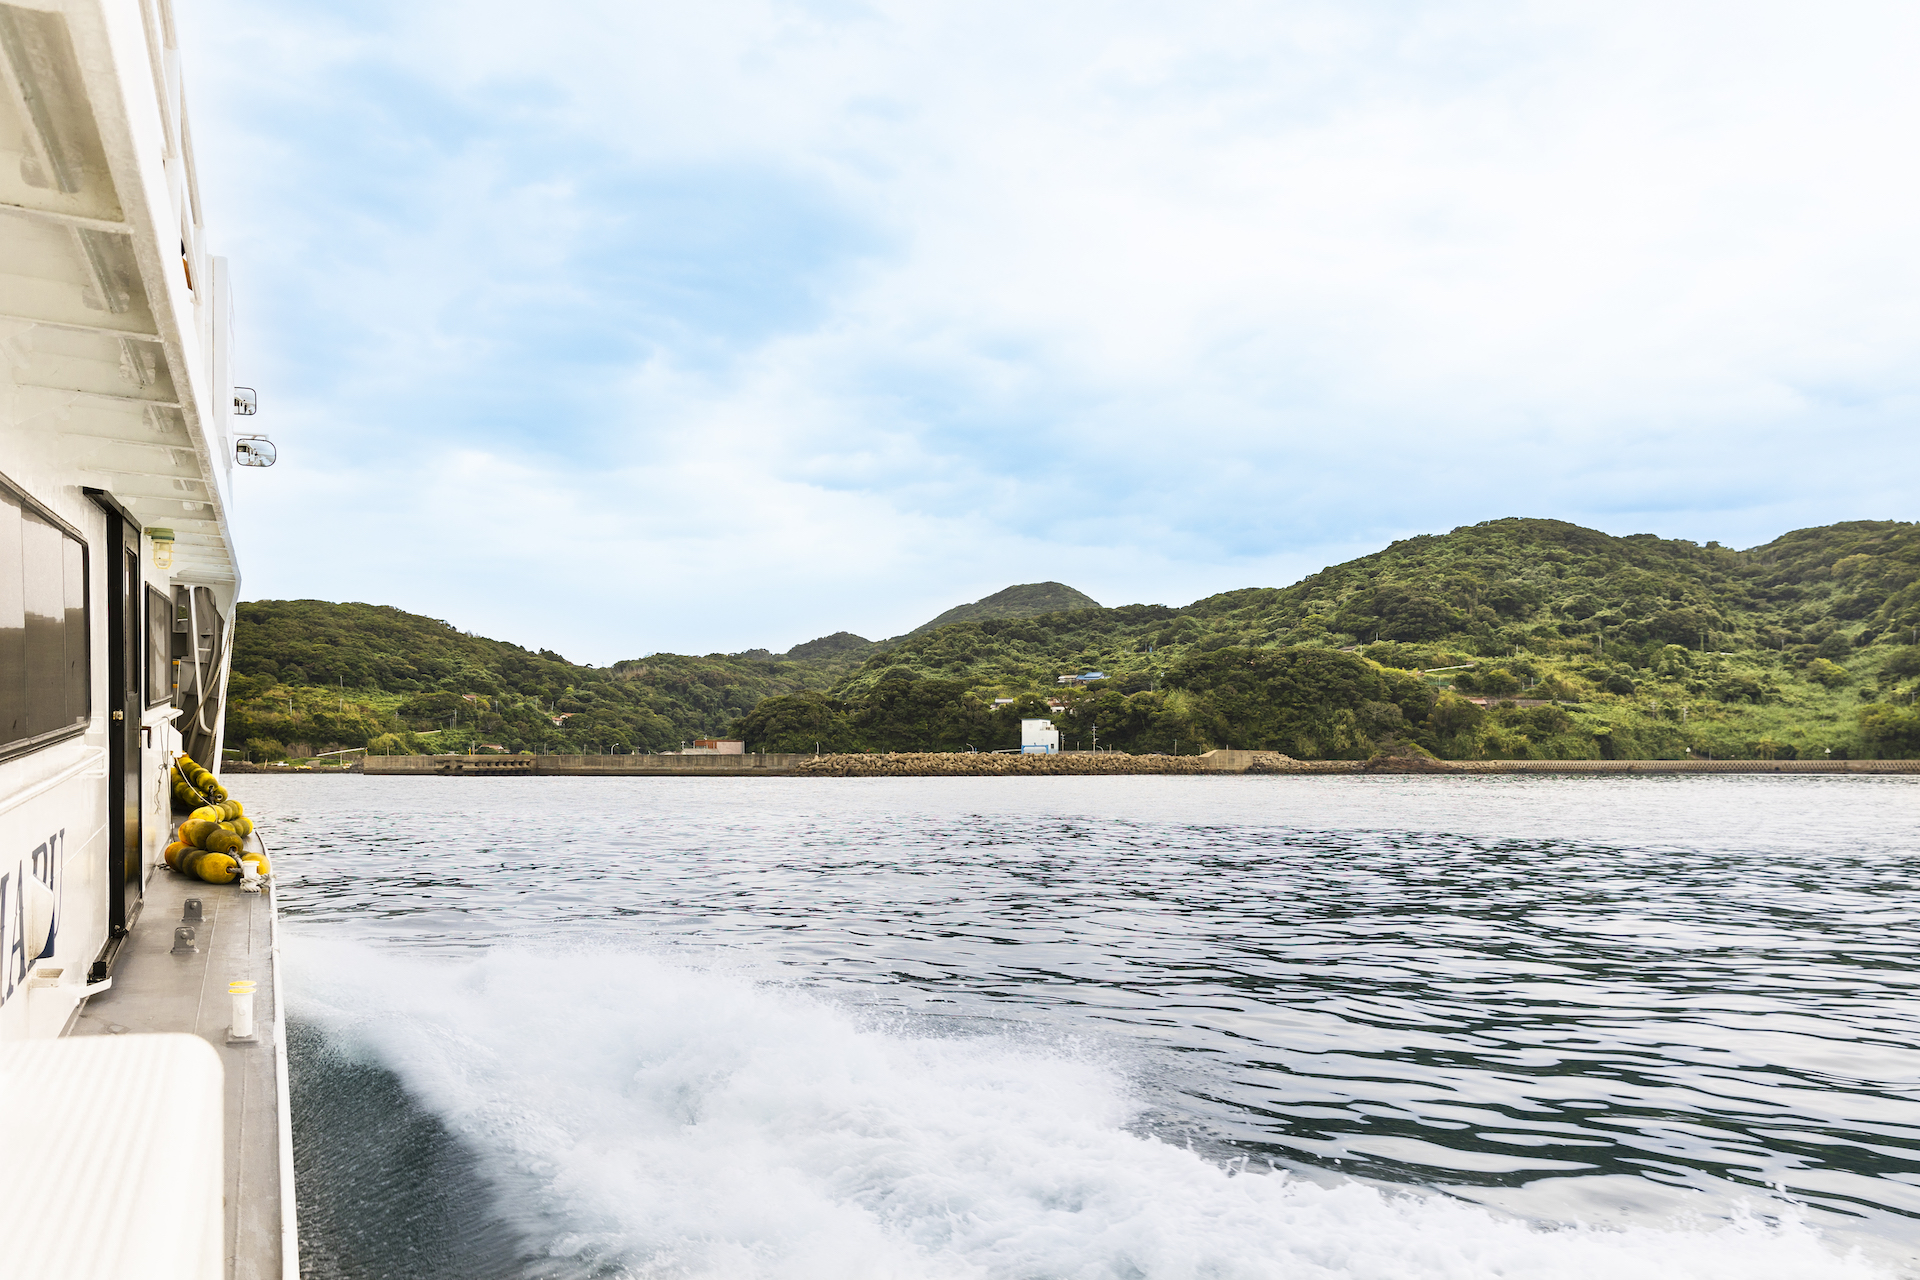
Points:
[[124, 704]]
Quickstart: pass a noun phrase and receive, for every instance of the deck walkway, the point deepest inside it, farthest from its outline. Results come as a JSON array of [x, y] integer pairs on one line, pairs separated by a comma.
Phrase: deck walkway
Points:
[[156, 990]]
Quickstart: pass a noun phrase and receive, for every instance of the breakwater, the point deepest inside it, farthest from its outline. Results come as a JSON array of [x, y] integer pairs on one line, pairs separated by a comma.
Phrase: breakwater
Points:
[[494, 766], [933, 764]]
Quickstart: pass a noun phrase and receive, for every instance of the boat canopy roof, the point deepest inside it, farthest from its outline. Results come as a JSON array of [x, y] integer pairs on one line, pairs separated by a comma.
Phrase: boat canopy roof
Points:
[[113, 318]]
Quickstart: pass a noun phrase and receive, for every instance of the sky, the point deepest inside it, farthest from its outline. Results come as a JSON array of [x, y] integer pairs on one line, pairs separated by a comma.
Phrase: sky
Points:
[[616, 328]]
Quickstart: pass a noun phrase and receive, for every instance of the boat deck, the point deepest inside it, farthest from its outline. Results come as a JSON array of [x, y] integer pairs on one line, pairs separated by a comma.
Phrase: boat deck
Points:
[[157, 990]]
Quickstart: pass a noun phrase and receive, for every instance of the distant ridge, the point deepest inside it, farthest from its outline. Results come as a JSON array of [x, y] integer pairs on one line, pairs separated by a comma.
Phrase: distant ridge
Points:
[[1574, 643], [827, 646], [1023, 601]]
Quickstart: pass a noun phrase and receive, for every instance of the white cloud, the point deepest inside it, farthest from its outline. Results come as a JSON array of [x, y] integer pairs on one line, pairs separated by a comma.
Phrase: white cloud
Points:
[[792, 317]]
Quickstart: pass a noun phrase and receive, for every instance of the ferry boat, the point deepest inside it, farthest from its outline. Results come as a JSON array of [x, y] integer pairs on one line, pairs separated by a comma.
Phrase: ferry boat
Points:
[[145, 1117]]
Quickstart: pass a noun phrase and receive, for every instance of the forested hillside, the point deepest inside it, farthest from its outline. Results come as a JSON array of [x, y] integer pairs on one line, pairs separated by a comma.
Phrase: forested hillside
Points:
[[311, 676], [1027, 600], [1579, 643], [1634, 647]]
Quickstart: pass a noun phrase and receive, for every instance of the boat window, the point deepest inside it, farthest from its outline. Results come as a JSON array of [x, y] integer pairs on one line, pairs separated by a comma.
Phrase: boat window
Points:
[[160, 664], [44, 692]]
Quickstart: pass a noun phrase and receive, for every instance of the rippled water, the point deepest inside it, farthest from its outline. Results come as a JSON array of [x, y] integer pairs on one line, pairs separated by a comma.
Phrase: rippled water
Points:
[[1349, 1027]]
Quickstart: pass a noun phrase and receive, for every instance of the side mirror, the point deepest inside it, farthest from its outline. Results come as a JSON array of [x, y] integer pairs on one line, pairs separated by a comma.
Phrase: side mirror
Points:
[[246, 402], [255, 451]]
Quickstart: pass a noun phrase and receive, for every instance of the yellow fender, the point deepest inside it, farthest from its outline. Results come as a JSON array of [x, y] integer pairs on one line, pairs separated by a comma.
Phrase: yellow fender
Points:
[[194, 832], [217, 868]]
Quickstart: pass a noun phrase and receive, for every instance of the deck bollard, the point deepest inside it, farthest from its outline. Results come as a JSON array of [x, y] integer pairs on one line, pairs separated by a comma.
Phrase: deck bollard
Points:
[[242, 992], [190, 912], [183, 940]]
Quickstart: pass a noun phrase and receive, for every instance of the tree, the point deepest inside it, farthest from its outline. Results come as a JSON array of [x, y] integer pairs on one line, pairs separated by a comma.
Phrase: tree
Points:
[[1892, 732], [1302, 701], [797, 722], [907, 714], [1830, 674]]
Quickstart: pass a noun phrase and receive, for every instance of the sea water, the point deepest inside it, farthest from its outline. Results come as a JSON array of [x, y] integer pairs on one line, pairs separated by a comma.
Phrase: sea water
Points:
[[1352, 1028]]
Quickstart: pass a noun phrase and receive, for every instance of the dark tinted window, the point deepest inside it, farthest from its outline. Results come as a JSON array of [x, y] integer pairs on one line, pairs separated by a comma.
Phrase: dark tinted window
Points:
[[159, 646], [79, 695], [43, 565], [13, 625], [43, 623]]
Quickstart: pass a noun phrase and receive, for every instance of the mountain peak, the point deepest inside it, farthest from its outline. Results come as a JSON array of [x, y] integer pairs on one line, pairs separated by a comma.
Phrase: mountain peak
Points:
[[827, 646], [1024, 600]]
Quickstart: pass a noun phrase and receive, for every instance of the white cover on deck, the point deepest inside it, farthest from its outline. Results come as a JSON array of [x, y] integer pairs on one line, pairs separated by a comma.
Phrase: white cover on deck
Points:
[[113, 1159]]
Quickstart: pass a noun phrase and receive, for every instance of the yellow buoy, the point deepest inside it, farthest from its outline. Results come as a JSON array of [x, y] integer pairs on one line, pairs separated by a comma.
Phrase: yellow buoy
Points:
[[206, 813], [174, 851], [259, 860], [220, 840], [217, 868], [196, 832]]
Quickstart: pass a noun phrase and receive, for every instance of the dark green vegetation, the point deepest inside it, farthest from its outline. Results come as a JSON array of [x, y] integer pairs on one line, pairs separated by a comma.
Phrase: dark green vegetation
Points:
[[1028, 600], [1605, 647], [1582, 645], [310, 676]]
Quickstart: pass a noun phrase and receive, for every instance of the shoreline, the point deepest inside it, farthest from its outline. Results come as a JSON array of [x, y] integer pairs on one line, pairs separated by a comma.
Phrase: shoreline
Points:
[[1066, 764], [1275, 764]]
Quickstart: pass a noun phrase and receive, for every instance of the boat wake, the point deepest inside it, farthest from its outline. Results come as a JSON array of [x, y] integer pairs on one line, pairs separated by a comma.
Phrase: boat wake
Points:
[[628, 1116]]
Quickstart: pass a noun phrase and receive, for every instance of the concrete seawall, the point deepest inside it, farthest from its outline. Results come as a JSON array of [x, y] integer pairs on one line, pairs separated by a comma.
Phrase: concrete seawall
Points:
[[1270, 762], [709, 766], [955, 764], [1683, 766]]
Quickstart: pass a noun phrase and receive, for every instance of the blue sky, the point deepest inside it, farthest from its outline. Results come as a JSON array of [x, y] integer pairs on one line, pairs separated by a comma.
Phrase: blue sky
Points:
[[625, 327]]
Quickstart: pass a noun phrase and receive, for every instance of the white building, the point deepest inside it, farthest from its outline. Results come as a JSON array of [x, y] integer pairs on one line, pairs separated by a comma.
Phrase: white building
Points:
[[1039, 738]]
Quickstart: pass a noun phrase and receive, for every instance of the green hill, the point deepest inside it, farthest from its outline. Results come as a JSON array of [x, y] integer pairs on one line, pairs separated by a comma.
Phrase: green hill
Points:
[[1028, 600], [1637, 646], [313, 676], [839, 644], [1630, 647]]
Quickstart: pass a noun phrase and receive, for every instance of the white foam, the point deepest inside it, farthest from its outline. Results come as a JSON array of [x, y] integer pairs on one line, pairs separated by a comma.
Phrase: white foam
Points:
[[696, 1124]]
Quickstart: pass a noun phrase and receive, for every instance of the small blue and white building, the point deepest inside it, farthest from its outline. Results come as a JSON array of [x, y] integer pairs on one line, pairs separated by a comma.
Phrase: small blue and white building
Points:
[[1039, 738]]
